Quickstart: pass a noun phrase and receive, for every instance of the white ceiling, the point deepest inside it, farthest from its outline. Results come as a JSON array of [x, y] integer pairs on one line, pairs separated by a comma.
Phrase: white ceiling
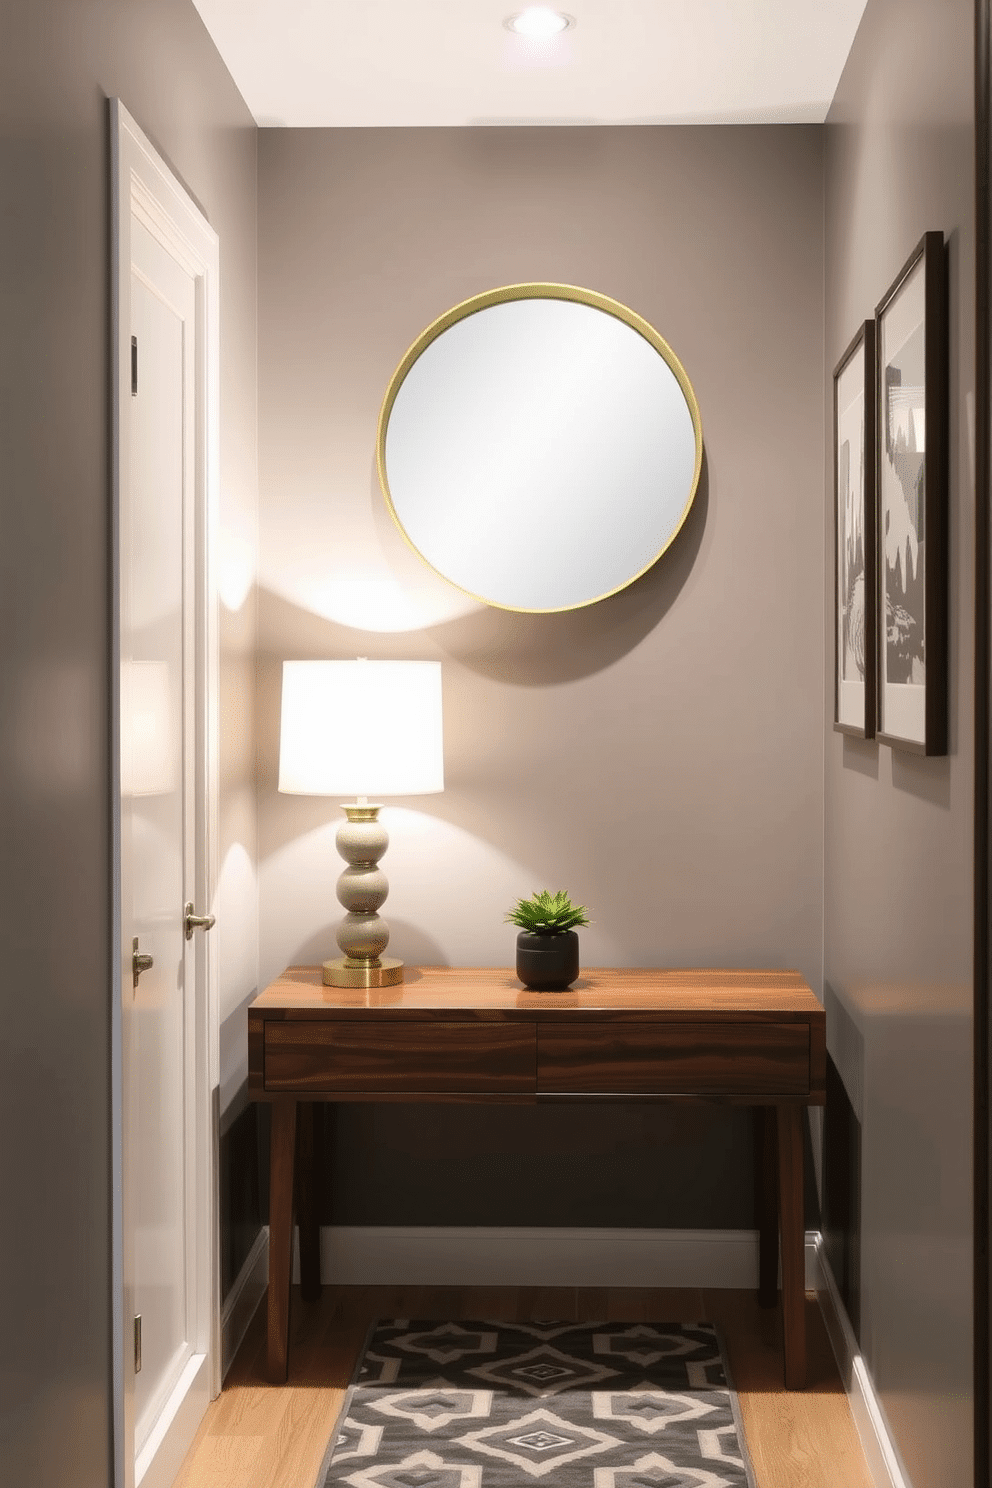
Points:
[[452, 62]]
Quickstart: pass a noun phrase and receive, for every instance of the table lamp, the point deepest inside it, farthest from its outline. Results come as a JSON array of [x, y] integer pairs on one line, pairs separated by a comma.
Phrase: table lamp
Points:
[[362, 728]]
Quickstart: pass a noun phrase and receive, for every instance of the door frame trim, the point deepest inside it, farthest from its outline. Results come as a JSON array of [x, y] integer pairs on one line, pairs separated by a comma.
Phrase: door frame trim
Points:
[[142, 183]]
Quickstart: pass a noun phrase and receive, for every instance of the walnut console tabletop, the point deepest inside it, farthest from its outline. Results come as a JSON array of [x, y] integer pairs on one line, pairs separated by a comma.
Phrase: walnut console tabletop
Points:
[[755, 1038]]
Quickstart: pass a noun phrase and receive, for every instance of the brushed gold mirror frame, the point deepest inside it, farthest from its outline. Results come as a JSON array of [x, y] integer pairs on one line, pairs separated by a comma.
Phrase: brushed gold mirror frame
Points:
[[541, 291]]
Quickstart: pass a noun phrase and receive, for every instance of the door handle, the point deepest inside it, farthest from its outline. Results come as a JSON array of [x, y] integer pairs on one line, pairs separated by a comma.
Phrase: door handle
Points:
[[140, 961], [193, 921]]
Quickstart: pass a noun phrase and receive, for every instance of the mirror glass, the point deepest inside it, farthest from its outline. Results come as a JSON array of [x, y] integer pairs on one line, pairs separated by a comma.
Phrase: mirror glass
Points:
[[539, 447]]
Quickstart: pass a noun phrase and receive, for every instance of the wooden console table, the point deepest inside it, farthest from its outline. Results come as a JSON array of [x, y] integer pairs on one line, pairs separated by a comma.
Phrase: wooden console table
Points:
[[755, 1038]]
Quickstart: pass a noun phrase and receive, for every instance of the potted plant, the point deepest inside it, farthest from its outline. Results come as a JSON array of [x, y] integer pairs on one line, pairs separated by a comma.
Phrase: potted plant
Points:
[[547, 945]]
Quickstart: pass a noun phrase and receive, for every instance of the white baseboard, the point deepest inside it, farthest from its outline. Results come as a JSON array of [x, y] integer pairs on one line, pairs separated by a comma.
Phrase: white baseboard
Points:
[[884, 1463], [160, 1459], [244, 1297], [372, 1255]]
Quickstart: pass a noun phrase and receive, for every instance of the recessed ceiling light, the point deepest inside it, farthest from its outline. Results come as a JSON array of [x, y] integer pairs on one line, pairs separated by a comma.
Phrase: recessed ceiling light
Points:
[[539, 22]]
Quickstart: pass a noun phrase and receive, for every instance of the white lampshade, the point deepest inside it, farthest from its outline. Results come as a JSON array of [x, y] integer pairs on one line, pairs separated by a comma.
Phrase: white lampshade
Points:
[[361, 728]]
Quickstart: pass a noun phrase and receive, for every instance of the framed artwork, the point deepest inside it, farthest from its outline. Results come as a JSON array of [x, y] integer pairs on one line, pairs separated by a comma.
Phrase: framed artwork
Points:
[[854, 537], [911, 347]]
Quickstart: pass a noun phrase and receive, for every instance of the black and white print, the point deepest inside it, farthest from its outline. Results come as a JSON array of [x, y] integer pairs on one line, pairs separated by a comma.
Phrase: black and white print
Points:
[[911, 603], [851, 457], [576, 1405], [854, 404], [903, 510]]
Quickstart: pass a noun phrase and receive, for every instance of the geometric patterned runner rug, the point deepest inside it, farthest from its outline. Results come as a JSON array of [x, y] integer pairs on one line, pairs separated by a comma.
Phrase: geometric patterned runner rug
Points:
[[521, 1405]]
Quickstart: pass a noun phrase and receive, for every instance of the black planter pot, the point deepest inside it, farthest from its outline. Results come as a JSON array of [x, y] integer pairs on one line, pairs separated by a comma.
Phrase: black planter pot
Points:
[[548, 963]]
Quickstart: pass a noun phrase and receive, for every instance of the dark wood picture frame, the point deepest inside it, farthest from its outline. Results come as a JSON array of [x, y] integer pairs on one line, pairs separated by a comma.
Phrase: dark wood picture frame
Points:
[[855, 528], [912, 501], [982, 902]]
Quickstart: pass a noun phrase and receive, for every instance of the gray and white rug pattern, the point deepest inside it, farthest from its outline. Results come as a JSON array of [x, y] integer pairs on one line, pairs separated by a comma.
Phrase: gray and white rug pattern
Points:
[[563, 1405]]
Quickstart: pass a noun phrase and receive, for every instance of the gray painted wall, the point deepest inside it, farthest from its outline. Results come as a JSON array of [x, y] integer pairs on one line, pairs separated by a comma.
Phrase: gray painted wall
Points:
[[898, 848], [659, 754], [58, 65]]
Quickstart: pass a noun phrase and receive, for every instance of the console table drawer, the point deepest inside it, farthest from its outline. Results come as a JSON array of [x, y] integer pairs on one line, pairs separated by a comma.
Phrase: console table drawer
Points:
[[419, 1058], [729, 1059]]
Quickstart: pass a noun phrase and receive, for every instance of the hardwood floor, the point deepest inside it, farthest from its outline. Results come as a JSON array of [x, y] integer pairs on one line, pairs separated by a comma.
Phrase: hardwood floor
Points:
[[257, 1435]]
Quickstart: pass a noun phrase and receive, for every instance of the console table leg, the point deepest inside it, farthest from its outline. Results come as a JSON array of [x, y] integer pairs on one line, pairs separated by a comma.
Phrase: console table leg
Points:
[[793, 1236], [766, 1203], [283, 1143], [307, 1187]]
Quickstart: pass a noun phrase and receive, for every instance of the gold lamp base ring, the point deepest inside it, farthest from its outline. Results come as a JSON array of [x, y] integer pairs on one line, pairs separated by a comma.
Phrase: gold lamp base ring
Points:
[[385, 971]]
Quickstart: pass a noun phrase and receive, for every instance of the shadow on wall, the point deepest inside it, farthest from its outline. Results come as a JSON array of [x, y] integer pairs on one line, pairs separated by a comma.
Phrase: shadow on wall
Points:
[[842, 1154], [515, 812], [645, 1167], [525, 650], [929, 779], [900, 1227], [537, 650], [500, 646]]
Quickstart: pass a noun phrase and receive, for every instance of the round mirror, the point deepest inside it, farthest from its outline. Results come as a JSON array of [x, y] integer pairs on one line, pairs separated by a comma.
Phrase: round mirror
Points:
[[539, 446]]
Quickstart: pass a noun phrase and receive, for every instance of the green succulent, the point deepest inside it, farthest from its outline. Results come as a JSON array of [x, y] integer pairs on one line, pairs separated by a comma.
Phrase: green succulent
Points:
[[547, 913]]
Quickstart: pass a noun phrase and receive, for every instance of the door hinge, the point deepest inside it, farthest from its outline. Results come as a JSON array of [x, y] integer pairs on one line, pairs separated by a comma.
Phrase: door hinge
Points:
[[134, 366], [137, 1343]]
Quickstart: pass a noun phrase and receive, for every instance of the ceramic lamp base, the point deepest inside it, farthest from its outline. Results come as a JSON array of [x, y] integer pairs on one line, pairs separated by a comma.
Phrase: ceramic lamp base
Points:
[[363, 934], [384, 972]]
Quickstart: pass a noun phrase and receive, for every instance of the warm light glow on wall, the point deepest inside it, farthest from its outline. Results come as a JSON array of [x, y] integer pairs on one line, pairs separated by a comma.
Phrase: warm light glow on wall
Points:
[[148, 763]]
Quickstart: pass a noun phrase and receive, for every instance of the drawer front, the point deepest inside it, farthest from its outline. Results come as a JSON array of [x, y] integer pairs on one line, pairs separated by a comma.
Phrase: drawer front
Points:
[[426, 1058], [728, 1059]]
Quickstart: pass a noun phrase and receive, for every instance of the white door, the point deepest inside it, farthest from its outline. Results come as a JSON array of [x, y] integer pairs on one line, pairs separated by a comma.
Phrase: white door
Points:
[[157, 820], [167, 1140]]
